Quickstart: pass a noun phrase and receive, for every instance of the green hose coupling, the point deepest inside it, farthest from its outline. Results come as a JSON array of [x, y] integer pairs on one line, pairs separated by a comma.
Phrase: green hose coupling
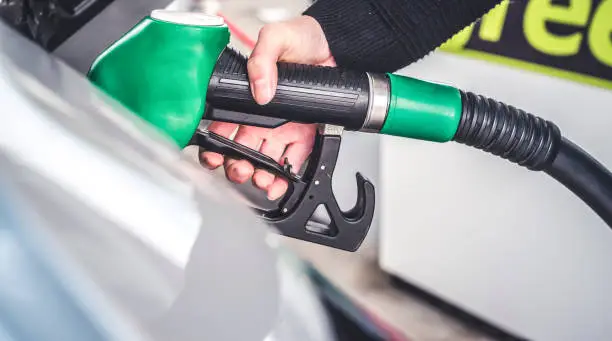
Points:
[[422, 110], [161, 68]]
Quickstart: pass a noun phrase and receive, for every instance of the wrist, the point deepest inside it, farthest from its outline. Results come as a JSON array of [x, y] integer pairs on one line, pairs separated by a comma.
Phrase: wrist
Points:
[[356, 35], [317, 35]]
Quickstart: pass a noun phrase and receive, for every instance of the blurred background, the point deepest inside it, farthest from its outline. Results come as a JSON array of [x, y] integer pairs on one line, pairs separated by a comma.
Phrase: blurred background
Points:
[[464, 246]]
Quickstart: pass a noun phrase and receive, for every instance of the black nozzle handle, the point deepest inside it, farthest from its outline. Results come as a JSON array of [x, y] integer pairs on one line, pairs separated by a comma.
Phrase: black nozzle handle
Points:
[[305, 93]]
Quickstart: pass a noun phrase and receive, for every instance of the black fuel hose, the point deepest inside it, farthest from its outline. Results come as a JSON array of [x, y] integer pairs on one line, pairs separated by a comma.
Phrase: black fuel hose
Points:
[[536, 144], [584, 176]]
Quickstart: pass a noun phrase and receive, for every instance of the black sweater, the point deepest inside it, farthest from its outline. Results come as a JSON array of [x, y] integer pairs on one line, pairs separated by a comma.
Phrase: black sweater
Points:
[[386, 35]]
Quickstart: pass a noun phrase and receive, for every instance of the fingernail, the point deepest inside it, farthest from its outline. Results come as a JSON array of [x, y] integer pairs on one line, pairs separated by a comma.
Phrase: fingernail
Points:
[[263, 90], [238, 173], [211, 161], [263, 180], [207, 163], [252, 85], [275, 193]]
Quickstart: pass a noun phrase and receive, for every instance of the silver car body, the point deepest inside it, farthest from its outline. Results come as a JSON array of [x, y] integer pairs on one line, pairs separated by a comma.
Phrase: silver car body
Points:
[[108, 232]]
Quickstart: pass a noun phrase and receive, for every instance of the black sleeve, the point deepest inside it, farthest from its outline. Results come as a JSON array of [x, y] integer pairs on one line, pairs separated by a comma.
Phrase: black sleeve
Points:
[[387, 35]]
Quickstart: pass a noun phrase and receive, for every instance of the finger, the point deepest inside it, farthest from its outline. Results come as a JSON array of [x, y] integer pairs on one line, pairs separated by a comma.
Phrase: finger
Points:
[[296, 154], [241, 170], [261, 67], [273, 149], [277, 189], [214, 160]]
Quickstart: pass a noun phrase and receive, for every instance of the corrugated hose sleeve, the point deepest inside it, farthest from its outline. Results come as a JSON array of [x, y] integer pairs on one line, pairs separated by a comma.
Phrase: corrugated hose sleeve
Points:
[[536, 144], [508, 132], [387, 35]]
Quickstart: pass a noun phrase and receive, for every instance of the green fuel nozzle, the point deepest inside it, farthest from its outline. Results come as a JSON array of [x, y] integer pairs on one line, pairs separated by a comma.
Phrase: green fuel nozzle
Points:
[[175, 69], [170, 64]]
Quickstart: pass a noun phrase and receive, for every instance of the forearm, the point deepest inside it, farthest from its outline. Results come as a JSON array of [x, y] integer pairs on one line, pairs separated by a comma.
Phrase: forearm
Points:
[[386, 35]]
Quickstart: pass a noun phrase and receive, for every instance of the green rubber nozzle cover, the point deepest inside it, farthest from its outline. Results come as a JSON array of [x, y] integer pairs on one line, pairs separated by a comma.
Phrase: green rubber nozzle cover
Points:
[[160, 71], [422, 110]]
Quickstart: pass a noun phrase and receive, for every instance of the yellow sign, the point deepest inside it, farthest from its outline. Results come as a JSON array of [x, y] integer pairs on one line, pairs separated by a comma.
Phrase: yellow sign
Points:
[[571, 39]]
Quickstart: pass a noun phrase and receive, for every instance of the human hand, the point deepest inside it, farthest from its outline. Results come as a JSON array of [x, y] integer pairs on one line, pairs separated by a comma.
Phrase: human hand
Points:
[[300, 40]]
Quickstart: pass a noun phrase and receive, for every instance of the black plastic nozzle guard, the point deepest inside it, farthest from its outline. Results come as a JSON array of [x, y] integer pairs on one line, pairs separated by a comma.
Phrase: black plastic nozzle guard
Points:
[[293, 216]]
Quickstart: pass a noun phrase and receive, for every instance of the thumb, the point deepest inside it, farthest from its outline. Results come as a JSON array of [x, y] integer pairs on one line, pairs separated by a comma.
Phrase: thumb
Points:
[[261, 67]]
